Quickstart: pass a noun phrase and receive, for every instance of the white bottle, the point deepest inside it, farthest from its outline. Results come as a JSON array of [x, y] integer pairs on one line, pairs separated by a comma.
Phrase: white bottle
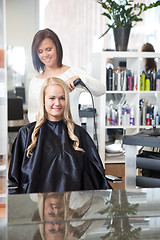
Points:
[[132, 116], [124, 115], [128, 114], [113, 118], [119, 117]]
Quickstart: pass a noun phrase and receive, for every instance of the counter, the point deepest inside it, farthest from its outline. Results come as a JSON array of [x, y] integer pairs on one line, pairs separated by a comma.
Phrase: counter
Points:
[[92, 215]]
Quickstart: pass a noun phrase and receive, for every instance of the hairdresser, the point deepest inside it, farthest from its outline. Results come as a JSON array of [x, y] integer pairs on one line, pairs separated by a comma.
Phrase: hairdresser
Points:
[[47, 54]]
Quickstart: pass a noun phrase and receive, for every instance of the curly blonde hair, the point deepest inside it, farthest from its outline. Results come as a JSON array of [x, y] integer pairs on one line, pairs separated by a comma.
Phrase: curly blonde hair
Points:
[[42, 115]]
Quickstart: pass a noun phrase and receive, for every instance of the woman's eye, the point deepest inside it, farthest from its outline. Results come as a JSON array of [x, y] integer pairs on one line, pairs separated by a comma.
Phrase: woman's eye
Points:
[[61, 214], [39, 51], [51, 98], [52, 230], [61, 230], [48, 49], [62, 98]]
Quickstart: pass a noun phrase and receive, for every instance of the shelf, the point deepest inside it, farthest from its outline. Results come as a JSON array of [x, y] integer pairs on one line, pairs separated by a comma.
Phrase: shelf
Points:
[[132, 92], [122, 92], [134, 127], [121, 126], [134, 64], [115, 160], [150, 92], [148, 126], [128, 54]]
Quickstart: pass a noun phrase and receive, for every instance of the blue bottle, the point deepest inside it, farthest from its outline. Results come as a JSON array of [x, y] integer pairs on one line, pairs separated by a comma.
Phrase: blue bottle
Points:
[[157, 119]]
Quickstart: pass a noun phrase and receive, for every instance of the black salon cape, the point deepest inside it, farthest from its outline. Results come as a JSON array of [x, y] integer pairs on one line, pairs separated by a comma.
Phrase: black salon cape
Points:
[[54, 165]]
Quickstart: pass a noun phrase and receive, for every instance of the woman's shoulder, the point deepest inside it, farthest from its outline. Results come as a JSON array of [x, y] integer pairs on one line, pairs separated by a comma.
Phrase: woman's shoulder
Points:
[[36, 81], [80, 130], [76, 69], [28, 127], [39, 77]]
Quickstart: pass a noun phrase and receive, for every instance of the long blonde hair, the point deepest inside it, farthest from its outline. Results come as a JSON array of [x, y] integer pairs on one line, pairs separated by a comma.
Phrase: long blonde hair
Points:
[[42, 115]]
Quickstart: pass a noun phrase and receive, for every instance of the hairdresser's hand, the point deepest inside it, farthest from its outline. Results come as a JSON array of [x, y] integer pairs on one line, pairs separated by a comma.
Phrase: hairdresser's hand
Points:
[[70, 83]]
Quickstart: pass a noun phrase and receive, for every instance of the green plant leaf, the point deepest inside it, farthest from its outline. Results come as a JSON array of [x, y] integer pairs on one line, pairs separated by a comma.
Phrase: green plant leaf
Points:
[[126, 13]]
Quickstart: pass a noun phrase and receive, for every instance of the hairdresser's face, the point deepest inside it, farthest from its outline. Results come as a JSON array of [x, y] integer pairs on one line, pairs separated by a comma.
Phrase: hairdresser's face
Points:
[[47, 53], [54, 102]]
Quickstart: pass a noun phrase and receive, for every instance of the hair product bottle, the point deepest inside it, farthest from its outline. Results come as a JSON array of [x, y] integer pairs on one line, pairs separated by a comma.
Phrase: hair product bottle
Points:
[[148, 120], [132, 116], [130, 83], [142, 81], [148, 84], [157, 119], [144, 113], [119, 118], [109, 78]]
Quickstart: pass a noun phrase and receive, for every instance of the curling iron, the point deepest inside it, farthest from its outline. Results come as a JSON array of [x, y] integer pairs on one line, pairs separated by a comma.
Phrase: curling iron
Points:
[[77, 82]]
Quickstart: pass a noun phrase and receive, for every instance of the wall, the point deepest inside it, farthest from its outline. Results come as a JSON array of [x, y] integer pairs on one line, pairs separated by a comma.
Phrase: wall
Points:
[[79, 25]]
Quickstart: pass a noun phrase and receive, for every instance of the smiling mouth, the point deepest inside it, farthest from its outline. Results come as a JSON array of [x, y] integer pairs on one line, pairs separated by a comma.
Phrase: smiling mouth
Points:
[[56, 109], [47, 59], [56, 204]]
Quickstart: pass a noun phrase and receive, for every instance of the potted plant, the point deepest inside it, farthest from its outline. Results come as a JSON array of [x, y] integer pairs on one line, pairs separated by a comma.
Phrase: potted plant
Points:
[[122, 16]]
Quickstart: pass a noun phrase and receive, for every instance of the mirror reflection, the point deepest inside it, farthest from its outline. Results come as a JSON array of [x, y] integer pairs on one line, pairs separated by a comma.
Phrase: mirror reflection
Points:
[[86, 215], [15, 68], [57, 207]]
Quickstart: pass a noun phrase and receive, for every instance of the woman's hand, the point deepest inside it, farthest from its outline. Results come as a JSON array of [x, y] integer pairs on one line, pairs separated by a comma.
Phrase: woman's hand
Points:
[[70, 83]]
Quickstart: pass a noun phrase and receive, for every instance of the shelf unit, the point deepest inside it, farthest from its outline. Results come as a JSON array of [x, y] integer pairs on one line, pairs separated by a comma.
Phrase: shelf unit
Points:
[[134, 63]]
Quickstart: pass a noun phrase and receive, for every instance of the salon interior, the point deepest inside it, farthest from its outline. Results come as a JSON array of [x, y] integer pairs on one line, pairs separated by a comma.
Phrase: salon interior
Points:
[[129, 150]]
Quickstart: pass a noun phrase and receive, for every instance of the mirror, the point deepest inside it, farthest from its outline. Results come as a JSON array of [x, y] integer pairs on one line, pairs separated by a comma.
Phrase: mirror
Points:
[[15, 68], [22, 21]]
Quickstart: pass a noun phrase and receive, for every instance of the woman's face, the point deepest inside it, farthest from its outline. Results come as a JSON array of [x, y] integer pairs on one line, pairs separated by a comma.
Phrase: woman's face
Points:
[[47, 52], [54, 207], [54, 102]]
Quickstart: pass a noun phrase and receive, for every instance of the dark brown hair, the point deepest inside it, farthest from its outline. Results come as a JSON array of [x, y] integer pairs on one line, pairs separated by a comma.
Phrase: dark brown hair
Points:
[[38, 38], [150, 62]]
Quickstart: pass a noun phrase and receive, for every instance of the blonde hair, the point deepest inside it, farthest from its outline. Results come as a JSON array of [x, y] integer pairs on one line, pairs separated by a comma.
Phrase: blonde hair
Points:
[[42, 115]]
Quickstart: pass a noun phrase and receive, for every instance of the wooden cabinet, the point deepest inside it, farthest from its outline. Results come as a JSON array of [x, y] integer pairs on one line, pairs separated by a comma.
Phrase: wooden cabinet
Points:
[[118, 170]]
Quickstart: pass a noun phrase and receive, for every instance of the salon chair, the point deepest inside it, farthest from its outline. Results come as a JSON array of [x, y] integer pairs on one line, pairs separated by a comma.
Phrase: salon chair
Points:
[[15, 119], [15, 114], [20, 92]]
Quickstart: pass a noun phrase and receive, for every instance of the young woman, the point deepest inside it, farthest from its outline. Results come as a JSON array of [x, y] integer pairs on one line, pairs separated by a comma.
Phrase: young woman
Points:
[[57, 209], [53, 154], [47, 54]]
